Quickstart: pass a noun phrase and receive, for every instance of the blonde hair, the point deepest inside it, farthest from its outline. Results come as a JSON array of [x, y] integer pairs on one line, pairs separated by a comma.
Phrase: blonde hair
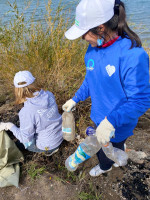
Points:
[[25, 92]]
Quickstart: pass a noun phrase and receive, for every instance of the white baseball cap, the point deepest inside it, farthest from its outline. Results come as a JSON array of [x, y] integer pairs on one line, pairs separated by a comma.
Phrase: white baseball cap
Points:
[[90, 14], [23, 76]]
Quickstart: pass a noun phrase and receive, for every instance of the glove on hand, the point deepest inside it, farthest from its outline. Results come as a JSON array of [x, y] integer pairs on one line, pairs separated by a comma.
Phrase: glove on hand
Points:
[[6, 126], [105, 131], [68, 105]]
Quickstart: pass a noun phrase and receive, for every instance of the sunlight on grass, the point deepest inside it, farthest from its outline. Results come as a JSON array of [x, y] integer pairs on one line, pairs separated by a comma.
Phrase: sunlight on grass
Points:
[[57, 63]]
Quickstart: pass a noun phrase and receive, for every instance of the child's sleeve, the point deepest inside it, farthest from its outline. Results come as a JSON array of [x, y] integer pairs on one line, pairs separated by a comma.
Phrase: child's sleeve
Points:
[[135, 82], [25, 134]]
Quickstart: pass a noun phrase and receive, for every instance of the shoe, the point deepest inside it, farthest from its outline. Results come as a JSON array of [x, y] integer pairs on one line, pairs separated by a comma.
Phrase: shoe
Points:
[[125, 147], [115, 165], [50, 154], [96, 171]]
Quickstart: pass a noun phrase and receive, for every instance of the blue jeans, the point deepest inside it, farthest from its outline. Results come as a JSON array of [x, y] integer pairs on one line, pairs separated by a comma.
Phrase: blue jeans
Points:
[[34, 148]]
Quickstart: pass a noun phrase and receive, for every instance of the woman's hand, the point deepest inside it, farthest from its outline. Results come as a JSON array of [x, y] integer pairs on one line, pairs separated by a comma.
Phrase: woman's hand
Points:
[[68, 105], [105, 131], [6, 126]]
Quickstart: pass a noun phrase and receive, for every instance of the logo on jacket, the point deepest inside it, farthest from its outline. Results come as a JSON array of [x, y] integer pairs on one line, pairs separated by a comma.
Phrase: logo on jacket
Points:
[[90, 65], [110, 70]]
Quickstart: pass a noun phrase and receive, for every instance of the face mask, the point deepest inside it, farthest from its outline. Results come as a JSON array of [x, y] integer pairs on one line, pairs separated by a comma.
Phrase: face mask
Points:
[[100, 42]]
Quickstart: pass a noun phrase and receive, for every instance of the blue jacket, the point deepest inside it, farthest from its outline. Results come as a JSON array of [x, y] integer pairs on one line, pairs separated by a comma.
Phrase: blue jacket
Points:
[[117, 80], [40, 121]]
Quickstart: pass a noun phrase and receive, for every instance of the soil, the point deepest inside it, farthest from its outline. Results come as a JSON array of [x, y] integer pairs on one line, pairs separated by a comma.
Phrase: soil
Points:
[[131, 182]]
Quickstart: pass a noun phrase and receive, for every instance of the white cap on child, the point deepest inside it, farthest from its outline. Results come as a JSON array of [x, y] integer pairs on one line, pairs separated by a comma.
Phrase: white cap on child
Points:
[[23, 76]]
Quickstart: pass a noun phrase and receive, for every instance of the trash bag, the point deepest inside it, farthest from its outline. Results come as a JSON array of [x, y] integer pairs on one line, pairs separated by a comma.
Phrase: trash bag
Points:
[[10, 156]]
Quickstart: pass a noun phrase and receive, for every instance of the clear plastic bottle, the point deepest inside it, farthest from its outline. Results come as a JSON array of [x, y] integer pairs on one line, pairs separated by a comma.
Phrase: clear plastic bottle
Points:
[[68, 126], [91, 146], [85, 150], [117, 155]]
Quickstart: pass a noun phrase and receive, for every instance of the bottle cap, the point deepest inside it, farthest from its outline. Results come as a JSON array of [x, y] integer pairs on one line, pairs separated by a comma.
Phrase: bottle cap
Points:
[[106, 144], [90, 130]]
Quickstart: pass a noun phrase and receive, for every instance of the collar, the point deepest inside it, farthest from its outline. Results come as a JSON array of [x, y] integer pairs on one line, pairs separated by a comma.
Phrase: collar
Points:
[[107, 44]]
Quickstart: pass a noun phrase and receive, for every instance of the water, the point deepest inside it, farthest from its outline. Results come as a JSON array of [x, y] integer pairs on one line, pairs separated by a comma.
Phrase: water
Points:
[[137, 13]]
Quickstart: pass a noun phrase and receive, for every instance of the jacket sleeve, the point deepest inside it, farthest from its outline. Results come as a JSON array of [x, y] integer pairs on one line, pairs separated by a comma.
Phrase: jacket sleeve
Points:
[[135, 82], [83, 92], [25, 134]]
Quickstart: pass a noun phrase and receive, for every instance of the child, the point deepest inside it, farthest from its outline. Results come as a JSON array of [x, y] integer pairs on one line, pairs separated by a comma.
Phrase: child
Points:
[[40, 121], [117, 73]]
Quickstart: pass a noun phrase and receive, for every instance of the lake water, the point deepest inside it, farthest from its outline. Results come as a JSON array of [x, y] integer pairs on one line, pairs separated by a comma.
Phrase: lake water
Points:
[[138, 13]]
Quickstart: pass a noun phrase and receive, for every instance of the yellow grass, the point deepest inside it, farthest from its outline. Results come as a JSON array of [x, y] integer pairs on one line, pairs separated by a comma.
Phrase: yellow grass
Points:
[[57, 63]]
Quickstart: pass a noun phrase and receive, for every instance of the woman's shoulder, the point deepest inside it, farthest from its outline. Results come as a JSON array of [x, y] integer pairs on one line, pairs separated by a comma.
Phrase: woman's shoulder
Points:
[[126, 50]]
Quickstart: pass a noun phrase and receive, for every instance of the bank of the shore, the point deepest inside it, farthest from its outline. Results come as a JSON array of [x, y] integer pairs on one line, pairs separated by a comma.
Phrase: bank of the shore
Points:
[[59, 66]]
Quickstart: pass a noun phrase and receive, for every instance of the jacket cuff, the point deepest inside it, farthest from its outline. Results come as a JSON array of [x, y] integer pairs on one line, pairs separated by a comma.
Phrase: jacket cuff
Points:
[[112, 121], [76, 99], [14, 128]]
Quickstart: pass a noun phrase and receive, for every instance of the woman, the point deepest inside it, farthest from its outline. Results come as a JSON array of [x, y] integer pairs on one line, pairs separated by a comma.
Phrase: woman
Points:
[[117, 73]]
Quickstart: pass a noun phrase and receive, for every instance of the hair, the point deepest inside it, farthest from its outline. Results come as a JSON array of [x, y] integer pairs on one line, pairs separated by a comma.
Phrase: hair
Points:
[[25, 92], [119, 24]]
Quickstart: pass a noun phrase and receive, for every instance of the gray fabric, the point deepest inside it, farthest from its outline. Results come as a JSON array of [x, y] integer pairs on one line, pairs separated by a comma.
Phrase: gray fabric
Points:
[[10, 156]]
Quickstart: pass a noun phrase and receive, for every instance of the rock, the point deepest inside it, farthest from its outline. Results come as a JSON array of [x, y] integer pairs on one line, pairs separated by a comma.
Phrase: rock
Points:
[[136, 156], [144, 122], [79, 139]]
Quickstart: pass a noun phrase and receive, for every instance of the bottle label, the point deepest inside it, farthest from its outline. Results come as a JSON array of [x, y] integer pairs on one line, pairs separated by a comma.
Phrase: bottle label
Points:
[[66, 130], [78, 157]]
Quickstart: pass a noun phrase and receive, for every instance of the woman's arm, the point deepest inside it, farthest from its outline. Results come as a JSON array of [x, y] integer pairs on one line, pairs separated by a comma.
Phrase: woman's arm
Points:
[[135, 81]]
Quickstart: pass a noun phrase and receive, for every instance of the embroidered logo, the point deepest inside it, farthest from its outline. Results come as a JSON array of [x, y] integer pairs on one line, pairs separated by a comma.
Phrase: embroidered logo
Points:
[[110, 70], [76, 22], [90, 64]]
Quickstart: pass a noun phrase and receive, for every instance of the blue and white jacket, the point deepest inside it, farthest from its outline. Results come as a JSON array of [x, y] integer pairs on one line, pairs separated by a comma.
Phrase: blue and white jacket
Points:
[[40, 121], [117, 80]]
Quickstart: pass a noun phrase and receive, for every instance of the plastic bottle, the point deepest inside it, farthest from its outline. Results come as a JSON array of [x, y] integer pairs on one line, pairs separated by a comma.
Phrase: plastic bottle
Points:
[[117, 155], [68, 126], [85, 150], [91, 146]]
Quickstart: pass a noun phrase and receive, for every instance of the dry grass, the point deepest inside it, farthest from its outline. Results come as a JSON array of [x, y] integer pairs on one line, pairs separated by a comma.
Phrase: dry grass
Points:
[[57, 63]]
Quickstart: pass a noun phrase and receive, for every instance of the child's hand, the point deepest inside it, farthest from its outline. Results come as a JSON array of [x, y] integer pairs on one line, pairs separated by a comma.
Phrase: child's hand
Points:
[[6, 126]]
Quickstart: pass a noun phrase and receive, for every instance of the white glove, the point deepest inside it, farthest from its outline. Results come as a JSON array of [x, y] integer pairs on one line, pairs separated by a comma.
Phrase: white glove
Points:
[[68, 105], [6, 126], [105, 131]]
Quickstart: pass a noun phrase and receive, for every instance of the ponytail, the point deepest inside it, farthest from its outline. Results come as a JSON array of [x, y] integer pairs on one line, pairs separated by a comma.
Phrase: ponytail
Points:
[[118, 23]]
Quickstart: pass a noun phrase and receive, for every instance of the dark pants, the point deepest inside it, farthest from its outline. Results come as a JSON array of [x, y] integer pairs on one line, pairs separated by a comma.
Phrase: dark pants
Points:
[[105, 162], [34, 148]]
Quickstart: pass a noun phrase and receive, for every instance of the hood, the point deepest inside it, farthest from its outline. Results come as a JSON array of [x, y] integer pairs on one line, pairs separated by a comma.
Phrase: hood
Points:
[[41, 99]]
